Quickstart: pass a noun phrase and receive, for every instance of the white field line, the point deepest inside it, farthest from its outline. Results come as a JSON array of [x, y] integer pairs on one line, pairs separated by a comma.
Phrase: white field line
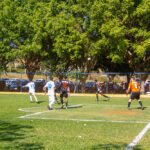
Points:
[[138, 137], [86, 120], [37, 113], [82, 120]]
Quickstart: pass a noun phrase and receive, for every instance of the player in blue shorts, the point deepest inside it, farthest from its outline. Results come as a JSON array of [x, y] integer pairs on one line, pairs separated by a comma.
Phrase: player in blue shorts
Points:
[[99, 90]]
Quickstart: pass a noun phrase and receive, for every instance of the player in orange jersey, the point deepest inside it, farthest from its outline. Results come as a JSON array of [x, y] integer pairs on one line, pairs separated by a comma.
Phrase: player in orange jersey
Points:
[[134, 87]]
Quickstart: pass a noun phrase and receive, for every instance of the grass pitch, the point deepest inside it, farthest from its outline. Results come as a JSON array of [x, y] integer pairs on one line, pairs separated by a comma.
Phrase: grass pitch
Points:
[[102, 125]]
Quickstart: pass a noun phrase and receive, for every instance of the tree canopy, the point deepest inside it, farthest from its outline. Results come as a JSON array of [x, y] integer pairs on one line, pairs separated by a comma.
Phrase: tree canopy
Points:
[[75, 34]]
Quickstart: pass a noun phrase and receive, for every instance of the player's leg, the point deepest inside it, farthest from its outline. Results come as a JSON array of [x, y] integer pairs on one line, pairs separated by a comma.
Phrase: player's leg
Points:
[[66, 99], [129, 103], [56, 98], [140, 102], [51, 101], [96, 96], [105, 96], [61, 99], [35, 98], [30, 95]]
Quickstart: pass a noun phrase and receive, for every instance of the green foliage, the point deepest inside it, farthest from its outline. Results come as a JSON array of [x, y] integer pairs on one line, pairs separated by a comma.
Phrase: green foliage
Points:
[[64, 34]]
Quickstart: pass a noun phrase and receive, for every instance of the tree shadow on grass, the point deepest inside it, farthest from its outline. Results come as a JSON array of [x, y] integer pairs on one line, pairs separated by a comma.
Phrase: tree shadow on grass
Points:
[[119, 146], [14, 134], [26, 146]]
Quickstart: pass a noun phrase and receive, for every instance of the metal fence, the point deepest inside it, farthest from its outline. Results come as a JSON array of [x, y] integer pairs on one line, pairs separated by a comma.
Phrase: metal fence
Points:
[[113, 83]]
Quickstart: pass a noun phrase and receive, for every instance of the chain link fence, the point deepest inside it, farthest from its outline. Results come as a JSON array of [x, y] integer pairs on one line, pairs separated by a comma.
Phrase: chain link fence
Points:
[[113, 83]]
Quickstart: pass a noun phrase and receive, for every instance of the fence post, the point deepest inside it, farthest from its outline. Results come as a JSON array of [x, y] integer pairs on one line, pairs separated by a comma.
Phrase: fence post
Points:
[[21, 83], [48, 74], [77, 83], [107, 83]]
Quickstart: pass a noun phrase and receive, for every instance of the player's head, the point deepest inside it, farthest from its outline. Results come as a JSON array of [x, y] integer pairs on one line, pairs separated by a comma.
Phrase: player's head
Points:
[[132, 78], [95, 80], [65, 77], [51, 78]]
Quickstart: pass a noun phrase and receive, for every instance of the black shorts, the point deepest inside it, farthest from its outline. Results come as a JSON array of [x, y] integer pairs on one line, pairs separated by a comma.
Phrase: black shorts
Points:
[[135, 95], [64, 94], [99, 91]]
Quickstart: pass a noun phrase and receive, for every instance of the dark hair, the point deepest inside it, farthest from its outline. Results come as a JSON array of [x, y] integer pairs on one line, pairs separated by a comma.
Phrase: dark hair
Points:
[[95, 80], [51, 78], [65, 77]]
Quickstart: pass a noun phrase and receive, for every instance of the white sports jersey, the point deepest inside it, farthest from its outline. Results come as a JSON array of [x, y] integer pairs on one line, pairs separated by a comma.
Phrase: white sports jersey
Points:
[[50, 85], [31, 87]]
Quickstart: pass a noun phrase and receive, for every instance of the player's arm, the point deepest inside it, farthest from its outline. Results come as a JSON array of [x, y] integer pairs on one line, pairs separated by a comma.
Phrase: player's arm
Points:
[[44, 89], [128, 90]]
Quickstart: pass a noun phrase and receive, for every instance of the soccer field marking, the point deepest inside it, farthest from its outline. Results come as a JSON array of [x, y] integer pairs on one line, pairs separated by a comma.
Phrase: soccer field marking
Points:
[[82, 120], [70, 119], [37, 113], [138, 137]]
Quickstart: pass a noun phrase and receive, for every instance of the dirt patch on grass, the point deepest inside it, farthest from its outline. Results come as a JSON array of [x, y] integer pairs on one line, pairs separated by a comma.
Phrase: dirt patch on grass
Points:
[[122, 112]]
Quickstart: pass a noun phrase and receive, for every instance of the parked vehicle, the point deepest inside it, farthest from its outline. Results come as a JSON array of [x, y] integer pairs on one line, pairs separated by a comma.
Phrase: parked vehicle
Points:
[[15, 85], [89, 87], [9, 83], [39, 84]]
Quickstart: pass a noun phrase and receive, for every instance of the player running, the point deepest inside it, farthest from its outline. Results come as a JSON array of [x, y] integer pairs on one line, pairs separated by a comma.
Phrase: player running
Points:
[[98, 86], [64, 90], [134, 87], [51, 92], [31, 87]]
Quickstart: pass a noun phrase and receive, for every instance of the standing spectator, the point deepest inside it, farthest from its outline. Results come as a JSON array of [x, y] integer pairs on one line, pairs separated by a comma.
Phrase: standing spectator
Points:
[[134, 87], [31, 87], [64, 90], [51, 92]]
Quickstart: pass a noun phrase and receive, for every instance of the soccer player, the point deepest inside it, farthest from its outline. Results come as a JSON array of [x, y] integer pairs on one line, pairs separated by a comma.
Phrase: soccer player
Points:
[[51, 92], [134, 87], [64, 90], [31, 87], [98, 86]]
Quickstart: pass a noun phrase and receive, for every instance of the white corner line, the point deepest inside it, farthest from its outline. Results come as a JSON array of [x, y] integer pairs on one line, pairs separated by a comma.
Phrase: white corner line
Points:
[[138, 137]]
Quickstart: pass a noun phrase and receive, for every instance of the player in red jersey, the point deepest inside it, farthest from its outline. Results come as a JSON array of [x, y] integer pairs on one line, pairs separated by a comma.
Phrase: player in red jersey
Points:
[[134, 87], [64, 90]]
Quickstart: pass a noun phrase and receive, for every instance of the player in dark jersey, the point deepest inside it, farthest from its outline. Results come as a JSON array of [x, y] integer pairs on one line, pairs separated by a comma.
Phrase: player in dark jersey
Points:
[[64, 90], [98, 87]]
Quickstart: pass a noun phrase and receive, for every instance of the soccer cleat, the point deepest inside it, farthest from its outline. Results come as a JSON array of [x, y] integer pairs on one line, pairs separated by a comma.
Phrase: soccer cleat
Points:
[[48, 107], [38, 102], [108, 98], [142, 108], [62, 106], [128, 108]]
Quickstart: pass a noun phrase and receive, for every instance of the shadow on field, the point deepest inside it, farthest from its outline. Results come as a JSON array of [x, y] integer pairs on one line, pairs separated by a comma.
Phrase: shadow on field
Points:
[[41, 102], [13, 134], [27, 146], [120, 146]]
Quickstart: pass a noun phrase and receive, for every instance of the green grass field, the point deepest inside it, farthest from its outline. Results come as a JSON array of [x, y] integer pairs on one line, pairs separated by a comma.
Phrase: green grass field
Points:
[[94, 125]]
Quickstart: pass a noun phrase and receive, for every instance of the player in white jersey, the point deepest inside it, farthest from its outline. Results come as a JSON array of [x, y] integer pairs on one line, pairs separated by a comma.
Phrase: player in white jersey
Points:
[[51, 92], [31, 87]]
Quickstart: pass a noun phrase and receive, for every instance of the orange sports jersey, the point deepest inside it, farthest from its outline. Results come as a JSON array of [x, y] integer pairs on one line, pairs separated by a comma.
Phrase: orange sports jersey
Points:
[[134, 86]]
